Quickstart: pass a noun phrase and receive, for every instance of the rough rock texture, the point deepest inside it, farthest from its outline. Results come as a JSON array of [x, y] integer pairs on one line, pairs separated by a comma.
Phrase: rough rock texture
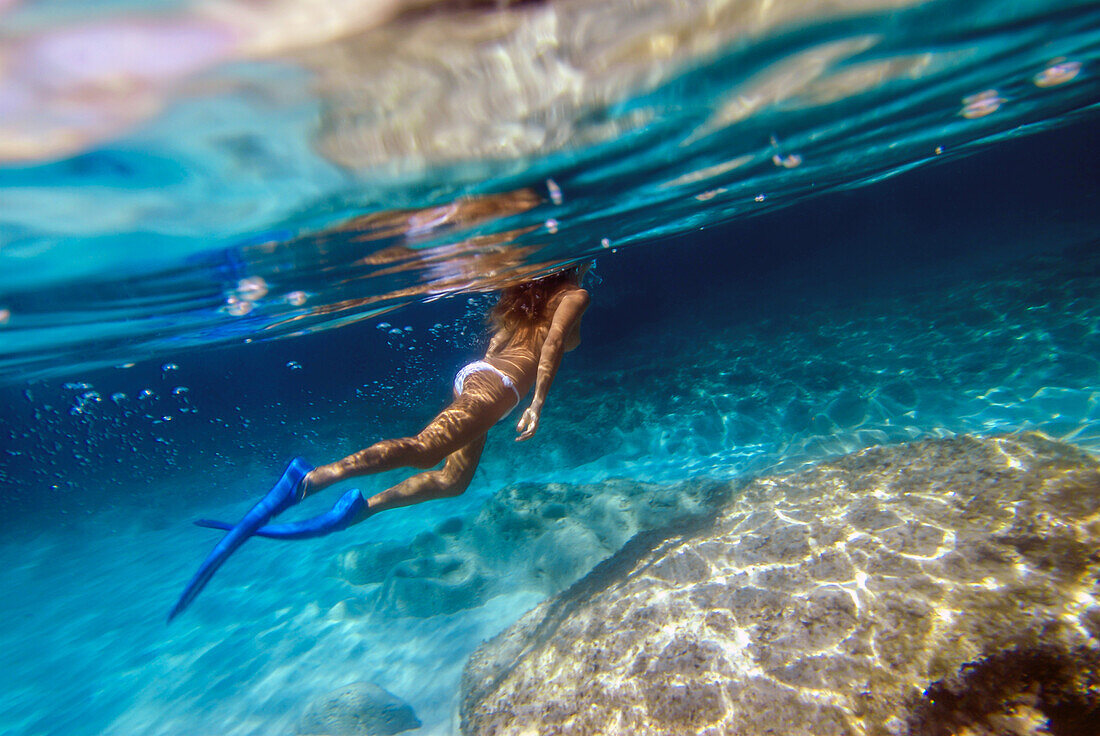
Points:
[[358, 709], [827, 602], [538, 537]]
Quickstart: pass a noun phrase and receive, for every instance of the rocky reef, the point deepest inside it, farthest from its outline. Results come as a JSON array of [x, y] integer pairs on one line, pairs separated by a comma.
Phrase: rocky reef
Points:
[[937, 587]]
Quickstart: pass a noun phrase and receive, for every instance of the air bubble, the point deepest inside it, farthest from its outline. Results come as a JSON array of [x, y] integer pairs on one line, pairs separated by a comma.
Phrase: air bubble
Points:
[[1059, 72], [789, 161], [294, 365], [169, 367], [237, 307], [383, 325], [555, 191], [296, 298], [552, 226], [981, 104], [605, 242], [5, 316], [252, 288]]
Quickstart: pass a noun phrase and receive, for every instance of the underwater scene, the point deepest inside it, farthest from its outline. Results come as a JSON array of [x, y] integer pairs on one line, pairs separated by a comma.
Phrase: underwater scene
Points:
[[820, 459]]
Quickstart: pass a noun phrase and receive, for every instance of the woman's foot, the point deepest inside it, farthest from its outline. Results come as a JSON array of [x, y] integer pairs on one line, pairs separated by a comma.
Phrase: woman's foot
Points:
[[350, 509]]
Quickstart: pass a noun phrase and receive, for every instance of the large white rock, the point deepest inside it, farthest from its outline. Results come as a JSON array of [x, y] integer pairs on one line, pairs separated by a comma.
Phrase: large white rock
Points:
[[828, 602]]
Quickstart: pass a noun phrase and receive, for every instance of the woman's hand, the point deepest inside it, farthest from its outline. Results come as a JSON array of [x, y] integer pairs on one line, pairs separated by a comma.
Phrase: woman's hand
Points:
[[528, 423]]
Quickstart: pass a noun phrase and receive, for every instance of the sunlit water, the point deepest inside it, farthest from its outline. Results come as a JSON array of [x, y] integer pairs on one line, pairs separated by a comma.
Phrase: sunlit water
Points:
[[770, 296]]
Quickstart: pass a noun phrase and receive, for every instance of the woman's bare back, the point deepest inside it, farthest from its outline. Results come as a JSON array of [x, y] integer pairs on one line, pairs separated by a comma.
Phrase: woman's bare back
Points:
[[516, 350]]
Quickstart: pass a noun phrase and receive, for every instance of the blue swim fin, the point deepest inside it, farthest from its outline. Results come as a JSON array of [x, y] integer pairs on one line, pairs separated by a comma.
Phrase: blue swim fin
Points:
[[281, 497], [346, 511]]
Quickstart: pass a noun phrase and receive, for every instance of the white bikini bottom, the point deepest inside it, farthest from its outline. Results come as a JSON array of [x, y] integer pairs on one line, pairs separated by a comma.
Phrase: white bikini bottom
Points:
[[481, 365]]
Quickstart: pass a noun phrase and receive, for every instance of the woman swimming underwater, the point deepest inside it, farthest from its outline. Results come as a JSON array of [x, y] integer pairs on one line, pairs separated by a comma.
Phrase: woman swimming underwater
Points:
[[533, 324]]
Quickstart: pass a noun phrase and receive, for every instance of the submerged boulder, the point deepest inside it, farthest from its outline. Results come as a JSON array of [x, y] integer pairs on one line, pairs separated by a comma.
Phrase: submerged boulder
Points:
[[358, 709], [830, 601]]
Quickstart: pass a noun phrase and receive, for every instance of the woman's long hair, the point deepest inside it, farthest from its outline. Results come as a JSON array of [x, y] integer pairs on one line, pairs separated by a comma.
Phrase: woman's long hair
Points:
[[525, 305]]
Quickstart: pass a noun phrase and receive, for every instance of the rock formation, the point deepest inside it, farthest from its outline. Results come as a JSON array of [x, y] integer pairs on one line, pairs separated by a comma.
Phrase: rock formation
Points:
[[358, 709], [943, 586]]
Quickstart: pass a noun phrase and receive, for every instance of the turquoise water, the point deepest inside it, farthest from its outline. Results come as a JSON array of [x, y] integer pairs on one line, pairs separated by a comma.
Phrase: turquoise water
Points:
[[816, 231]]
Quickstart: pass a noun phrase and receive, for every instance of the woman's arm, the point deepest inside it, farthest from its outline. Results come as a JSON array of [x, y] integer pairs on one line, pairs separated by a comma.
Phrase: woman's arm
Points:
[[566, 319]]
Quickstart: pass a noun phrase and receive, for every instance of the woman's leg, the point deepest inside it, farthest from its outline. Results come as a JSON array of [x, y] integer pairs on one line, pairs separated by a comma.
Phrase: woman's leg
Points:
[[450, 480], [468, 418]]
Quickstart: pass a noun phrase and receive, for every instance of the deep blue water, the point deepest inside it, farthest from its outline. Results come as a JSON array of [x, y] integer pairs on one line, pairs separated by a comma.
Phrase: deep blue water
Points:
[[880, 292]]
